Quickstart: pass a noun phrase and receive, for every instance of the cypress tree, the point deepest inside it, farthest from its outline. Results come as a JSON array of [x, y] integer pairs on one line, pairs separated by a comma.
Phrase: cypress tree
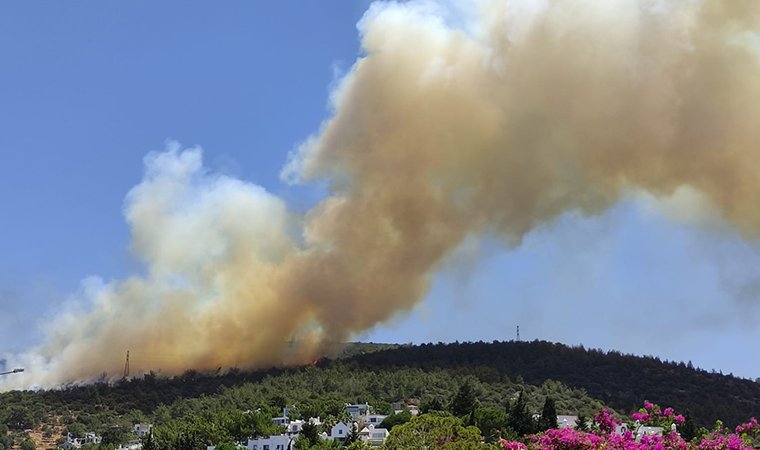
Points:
[[548, 418], [519, 418], [463, 402]]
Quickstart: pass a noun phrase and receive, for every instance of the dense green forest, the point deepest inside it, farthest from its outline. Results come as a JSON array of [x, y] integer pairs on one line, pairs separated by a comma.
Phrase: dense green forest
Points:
[[429, 375], [621, 381]]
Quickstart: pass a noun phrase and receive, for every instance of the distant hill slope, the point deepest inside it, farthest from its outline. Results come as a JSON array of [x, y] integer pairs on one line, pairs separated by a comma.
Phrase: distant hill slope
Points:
[[381, 373], [317, 390], [352, 349], [621, 381]]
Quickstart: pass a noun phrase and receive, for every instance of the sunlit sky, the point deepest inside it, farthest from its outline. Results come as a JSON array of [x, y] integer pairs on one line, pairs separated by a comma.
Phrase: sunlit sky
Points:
[[87, 89]]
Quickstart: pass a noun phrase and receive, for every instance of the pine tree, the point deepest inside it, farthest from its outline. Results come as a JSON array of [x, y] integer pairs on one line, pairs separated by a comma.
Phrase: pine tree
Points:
[[548, 418], [352, 436], [687, 431], [310, 433], [519, 418], [463, 402]]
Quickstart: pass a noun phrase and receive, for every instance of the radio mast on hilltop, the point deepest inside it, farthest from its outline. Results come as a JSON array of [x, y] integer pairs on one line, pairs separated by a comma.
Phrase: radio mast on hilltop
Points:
[[518, 334], [126, 366]]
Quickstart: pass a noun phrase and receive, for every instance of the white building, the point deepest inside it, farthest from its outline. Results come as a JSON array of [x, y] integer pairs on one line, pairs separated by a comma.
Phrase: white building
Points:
[[340, 430], [372, 419], [399, 407], [88, 438], [279, 442], [295, 426], [647, 431], [130, 446], [284, 420], [567, 422], [141, 429], [360, 409], [373, 436]]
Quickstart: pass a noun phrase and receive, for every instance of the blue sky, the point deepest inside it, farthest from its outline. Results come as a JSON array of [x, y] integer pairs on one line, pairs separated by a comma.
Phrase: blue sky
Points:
[[87, 89]]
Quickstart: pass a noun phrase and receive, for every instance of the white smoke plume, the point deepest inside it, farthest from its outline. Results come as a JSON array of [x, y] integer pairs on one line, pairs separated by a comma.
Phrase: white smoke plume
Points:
[[460, 119]]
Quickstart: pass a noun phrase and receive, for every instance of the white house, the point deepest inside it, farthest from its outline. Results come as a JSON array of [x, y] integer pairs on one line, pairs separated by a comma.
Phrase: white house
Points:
[[130, 446], [279, 442], [88, 438], [567, 422], [295, 426], [141, 429], [284, 420], [373, 436], [648, 431], [372, 419], [398, 408], [357, 410], [340, 430]]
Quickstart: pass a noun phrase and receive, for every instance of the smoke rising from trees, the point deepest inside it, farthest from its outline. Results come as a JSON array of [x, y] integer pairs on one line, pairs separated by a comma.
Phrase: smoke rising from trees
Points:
[[458, 120]]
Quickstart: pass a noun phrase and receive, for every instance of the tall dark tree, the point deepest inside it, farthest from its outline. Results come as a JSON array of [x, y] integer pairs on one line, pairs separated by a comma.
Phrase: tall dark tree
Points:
[[519, 418], [310, 432], [491, 422], [463, 402], [352, 436], [548, 419], [688, 431]]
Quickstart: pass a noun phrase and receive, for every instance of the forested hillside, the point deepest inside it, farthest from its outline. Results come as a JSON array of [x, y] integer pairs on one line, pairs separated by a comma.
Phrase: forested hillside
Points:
[[320, 390], [428, 375], [620, 381]]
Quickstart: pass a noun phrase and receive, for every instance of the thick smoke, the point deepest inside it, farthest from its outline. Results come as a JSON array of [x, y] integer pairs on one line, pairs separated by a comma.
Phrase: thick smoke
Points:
[[460, 120]]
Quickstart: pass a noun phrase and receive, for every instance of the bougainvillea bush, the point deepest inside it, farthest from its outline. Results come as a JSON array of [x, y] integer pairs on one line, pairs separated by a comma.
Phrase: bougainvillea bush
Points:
[[605, 433]]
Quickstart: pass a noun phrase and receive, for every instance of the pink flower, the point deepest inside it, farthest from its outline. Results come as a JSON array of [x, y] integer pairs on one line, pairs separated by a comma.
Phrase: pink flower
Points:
[[511, 445], [641, 417], [743, 428], [604, 436], [605, 421]]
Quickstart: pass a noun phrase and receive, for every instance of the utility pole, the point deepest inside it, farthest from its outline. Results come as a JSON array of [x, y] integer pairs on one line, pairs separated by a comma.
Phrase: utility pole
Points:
[[126, 366]]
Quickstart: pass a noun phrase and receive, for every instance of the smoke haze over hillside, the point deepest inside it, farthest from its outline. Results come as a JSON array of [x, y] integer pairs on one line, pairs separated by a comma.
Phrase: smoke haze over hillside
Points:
[[482, 117]]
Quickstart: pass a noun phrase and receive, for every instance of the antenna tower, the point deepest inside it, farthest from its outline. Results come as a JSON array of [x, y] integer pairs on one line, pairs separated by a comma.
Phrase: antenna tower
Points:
[[518, 338], [126, 366]]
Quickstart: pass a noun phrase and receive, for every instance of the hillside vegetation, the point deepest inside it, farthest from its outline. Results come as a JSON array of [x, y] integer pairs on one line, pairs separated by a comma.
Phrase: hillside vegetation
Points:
[[621, 381], [429, 375]]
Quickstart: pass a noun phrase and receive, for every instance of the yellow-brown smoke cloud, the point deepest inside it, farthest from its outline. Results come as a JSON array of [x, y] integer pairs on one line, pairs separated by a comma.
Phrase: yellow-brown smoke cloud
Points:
[[460, 119]]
